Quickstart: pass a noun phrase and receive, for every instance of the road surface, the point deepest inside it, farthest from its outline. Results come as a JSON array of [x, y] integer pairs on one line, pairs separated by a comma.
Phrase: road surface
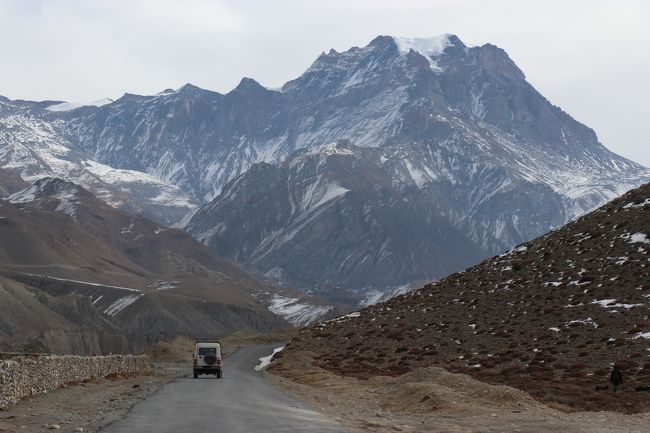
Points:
[[243, 401]]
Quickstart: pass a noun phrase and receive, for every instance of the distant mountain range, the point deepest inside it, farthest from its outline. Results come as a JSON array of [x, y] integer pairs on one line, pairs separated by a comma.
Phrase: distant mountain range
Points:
[[383, 166]]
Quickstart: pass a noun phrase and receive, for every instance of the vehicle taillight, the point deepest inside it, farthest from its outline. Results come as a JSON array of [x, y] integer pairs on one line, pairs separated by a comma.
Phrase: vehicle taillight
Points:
[[219, 361], [195, 361]]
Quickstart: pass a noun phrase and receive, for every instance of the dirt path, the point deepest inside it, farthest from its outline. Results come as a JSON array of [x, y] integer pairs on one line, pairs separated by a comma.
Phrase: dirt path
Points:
[[88, 406], [434, 400]]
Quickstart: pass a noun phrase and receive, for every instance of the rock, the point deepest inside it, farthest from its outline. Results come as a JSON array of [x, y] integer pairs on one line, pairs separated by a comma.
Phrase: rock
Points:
[[25, 376]]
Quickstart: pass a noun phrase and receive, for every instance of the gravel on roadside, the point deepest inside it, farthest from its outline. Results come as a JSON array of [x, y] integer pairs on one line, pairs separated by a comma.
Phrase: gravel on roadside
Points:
[[87, 406]]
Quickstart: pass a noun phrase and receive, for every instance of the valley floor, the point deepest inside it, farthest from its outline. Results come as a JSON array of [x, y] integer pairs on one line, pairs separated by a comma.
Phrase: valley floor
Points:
[[434, 400]]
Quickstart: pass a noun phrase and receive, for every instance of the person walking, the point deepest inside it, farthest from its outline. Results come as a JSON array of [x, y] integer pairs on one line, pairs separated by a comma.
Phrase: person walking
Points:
[[616, 378]]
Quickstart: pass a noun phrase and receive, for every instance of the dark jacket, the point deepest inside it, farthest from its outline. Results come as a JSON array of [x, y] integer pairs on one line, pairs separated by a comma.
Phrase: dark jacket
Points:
[[616, 377]]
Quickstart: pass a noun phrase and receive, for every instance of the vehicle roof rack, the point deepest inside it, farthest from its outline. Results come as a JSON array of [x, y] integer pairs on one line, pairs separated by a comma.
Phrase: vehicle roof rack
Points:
[[207, 340]]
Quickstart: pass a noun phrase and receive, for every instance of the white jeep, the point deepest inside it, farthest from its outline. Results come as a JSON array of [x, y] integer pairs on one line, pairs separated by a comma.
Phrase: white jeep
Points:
[[207, 358]]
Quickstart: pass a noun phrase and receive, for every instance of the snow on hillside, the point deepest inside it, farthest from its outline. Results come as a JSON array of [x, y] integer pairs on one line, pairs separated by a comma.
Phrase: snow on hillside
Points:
[[329, 149], [68, 106], [376, 296], [38, 148], [121, 304], [296, 311]]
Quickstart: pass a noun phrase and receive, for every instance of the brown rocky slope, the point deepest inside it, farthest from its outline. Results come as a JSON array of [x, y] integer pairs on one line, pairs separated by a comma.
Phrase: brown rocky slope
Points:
[[550, 317], [97, 268], [32, 321]]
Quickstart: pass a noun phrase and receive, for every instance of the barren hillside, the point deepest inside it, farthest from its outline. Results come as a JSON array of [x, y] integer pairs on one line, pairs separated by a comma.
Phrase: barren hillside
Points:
[[150, 281], [550, 317]]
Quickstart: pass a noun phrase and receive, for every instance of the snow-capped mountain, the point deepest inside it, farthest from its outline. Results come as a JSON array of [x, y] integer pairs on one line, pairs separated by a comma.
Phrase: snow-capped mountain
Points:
[[456, 151], [467, 103], [33, 143], [454, 157]]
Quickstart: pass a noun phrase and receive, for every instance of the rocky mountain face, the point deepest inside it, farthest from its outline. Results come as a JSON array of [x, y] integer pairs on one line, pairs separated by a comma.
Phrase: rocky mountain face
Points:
[[333, 215], [459, 156], [35, 322], [33, 145], [549, 317], [453, 157], [10, 182], [453, 104], [102, 270]]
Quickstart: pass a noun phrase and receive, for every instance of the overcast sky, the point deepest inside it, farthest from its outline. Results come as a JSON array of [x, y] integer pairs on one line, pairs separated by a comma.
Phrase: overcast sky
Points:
[[591, 58]]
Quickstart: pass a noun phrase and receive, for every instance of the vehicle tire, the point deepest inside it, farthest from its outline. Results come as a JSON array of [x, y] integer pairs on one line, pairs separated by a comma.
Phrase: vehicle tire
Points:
[[196, 375], [218, 374]]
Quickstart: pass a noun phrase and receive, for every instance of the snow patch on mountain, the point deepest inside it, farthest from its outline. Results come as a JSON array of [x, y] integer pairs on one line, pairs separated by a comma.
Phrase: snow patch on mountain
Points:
[[638, 205], [419, 176], [639, 237], [430, 48], [121, 304], [64, 192], [297, 311], [320, 192], [67, 203], [38, 148], [68, 106], [25, 196], [330, 149], [377, 296]]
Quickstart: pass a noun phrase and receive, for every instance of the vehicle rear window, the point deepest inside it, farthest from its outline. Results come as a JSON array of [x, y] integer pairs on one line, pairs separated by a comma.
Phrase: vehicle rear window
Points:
[[204, 351]]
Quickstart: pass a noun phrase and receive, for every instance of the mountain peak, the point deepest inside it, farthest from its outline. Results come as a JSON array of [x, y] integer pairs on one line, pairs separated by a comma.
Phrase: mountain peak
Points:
[[185, 91], [249, 85], [67, 194], [187, 86], [381, 41], [431, 46], [43, 188]]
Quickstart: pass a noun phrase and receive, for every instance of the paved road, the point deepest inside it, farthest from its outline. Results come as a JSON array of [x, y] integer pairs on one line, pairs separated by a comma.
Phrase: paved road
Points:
[[243, 401]]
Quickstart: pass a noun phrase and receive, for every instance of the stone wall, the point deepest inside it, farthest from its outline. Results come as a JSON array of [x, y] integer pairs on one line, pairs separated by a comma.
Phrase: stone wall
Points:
[[22, 376]]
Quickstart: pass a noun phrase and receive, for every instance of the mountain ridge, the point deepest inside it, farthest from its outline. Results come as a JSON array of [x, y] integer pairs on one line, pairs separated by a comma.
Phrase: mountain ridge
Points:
[[457, 130]]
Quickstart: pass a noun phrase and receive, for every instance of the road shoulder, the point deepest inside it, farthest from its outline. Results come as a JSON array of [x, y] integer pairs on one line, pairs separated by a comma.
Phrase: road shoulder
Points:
[[87, 406], [434, 400]]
